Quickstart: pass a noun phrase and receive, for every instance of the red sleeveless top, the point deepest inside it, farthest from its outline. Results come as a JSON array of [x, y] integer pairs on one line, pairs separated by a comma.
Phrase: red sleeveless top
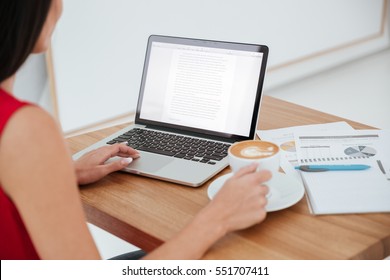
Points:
[[15, 242]]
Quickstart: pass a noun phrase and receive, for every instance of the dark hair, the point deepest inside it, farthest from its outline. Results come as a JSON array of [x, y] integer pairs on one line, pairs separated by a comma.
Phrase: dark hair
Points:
[[21, 23]]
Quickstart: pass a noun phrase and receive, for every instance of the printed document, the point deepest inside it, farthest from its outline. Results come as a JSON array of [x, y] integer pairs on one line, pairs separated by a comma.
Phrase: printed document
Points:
[[284, 137], [332, 192]]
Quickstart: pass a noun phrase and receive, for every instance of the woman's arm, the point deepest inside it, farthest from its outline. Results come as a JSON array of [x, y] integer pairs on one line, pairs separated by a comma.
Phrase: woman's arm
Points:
[[238, 205], [37, 173]]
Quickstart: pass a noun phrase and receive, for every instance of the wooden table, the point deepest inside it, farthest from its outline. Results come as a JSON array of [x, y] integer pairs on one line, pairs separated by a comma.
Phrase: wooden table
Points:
[[147, 212]]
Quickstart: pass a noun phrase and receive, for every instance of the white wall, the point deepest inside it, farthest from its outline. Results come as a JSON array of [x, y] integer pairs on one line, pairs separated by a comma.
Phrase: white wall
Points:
[[32, 83], [31, 79], [99, 45]]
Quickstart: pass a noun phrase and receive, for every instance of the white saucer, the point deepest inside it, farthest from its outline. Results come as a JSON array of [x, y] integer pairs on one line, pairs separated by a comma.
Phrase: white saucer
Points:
[[286, 191]]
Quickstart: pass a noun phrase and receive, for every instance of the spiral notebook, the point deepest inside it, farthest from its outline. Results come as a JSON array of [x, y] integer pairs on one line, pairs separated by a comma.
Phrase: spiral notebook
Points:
[[342, 192]]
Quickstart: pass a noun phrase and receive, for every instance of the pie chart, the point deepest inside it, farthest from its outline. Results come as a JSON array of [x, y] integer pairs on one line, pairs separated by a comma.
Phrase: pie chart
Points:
[[288, 146], [360, 151]]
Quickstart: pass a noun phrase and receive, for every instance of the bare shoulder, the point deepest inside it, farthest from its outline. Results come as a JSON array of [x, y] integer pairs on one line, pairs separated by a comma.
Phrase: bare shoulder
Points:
[[30, 119], [31, 140]]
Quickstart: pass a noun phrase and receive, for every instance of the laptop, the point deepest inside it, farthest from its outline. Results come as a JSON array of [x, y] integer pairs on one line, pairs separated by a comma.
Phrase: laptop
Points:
[[197, 97]]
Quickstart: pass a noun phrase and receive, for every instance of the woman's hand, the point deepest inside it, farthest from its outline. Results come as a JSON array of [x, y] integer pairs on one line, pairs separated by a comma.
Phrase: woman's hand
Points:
[[238, 205], [241, 201], [91, 167]]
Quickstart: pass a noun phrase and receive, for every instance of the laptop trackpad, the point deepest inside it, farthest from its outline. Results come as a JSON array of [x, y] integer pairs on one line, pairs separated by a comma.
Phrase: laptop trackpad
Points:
[[148, 163]]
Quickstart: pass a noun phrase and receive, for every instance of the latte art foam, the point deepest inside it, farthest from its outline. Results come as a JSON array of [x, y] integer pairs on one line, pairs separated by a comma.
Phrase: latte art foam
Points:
[[255, 152], [254, 149]]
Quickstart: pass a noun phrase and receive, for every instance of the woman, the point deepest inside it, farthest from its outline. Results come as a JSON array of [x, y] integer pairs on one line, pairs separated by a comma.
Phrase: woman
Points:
[[41, 212]]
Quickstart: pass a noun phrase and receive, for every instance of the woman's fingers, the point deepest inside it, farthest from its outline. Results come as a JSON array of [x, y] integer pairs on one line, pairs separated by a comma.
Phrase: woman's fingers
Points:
[[119, 149], [246, 170]]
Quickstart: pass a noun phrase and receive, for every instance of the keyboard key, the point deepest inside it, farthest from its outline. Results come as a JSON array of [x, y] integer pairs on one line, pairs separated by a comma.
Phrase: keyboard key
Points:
[[218, 155], [156, 151], [214, 158], [180, 155]]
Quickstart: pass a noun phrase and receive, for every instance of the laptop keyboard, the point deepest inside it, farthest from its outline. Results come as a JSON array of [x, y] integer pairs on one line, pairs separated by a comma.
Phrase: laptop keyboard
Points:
[[188, 148]]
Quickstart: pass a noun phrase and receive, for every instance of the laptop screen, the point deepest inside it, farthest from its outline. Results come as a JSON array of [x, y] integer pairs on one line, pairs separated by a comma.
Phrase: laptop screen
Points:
[[204, 87]]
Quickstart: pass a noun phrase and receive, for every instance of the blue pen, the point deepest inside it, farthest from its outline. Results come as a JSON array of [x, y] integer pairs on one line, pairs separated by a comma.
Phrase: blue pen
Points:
[[321, 168]]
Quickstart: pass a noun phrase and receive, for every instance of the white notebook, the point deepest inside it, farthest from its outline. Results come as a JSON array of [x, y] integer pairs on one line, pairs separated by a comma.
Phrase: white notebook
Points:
[[341, 192]]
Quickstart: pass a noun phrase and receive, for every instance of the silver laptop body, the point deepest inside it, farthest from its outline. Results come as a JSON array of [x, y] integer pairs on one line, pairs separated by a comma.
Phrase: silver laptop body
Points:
[[203, 94]]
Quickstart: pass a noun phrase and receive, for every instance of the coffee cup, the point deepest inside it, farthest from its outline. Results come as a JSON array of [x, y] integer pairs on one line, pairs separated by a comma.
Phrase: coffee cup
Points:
[[266, 154]]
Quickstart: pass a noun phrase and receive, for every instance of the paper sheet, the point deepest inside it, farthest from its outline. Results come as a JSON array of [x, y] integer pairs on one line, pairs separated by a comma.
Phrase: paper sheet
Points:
[[284, 137], [346, 191]]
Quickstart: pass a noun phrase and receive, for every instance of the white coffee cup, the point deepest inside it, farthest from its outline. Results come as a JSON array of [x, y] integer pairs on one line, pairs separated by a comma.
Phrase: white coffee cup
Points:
[[266, 154]]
